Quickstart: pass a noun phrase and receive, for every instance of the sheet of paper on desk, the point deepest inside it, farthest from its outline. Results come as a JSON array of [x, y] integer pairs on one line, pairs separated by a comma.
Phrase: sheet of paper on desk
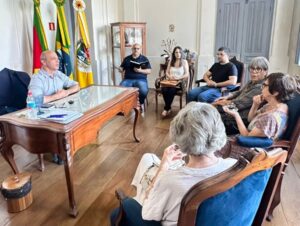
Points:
[[60, 116]]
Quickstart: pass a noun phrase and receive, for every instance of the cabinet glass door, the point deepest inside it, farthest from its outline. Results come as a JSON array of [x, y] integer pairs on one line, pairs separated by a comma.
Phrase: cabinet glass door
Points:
[[132, 35], [116, 54]]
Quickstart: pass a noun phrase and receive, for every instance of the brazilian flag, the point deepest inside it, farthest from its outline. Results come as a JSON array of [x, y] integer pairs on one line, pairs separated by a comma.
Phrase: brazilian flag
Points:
[[63, 43]]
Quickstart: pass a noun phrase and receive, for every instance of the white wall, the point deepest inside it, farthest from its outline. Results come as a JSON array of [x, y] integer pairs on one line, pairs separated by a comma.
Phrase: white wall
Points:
[[292, 67], [15, 38], [101, 14], [194, 22], [16, 32], [282, 21]]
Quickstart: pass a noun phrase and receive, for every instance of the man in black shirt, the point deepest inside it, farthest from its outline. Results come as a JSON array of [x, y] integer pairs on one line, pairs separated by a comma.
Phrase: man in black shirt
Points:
[[221, 74], [136, 67]]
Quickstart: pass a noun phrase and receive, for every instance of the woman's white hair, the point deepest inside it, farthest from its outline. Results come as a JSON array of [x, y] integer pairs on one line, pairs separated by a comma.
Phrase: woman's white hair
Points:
[[198, 129]]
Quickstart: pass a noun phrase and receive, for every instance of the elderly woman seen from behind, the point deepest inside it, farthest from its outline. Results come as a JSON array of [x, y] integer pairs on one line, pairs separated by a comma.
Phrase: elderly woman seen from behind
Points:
[[197, 131]]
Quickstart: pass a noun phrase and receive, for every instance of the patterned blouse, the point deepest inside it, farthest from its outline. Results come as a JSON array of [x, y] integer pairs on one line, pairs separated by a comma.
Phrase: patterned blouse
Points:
[[272, 123]]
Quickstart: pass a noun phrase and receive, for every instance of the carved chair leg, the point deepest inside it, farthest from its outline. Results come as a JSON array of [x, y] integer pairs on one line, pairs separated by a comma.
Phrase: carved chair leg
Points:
[[156, 101], [120, 196], [180, 101], [276, 199], [41, 162]]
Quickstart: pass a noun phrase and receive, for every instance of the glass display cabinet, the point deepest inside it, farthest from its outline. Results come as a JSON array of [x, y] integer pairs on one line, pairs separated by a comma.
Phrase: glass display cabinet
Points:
[[124, 35]]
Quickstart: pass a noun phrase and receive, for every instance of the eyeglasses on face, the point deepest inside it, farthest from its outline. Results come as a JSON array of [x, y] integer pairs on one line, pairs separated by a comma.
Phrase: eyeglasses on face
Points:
[[136, 48], [257, 69]]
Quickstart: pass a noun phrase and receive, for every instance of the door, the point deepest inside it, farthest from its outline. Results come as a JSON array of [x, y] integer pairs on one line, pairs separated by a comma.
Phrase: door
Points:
[[245, 27]]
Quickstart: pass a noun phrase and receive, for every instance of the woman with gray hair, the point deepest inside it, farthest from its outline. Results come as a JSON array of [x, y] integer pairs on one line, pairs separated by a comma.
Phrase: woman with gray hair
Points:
[[197, 131], [242, 99]]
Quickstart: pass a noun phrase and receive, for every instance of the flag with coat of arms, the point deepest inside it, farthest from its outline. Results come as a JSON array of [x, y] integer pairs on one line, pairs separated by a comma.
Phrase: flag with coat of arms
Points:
[[83, 66]]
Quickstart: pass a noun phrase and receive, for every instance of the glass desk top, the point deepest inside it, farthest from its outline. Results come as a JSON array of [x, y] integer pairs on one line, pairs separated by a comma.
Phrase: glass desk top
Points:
[[89, 98], [83, 101]]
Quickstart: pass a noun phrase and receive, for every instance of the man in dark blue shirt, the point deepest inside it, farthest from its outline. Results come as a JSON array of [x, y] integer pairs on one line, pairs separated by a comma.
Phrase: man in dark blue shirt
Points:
[[221, 74], [136, 67]]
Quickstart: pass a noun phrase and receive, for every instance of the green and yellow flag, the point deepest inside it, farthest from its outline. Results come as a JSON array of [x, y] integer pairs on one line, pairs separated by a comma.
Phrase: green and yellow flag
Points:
[[63, 43], [39, 38], [84, 74]]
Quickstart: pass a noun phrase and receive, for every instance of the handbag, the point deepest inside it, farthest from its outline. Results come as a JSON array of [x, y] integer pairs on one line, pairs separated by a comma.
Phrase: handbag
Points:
[[169, 83]]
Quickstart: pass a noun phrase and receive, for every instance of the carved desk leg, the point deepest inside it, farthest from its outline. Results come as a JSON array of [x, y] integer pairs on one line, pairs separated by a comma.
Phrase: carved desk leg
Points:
[[6, 151], [134, 124], [69, 176]]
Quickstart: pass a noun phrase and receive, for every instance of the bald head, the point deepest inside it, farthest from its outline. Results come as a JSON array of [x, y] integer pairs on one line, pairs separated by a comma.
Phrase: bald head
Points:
[[46, 53], [49, 61]]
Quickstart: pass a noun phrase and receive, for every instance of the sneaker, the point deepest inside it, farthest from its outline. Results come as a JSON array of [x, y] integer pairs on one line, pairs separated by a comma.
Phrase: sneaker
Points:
[[165, 113]]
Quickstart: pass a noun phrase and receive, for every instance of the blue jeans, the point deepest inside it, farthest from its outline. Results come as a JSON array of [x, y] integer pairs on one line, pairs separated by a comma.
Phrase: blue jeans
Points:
[[133, 215], [141, 84], [204, 94]]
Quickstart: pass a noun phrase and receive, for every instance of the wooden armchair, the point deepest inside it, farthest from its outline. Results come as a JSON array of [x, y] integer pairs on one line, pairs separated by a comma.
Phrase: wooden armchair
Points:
[[288, 142], [180, 92], [240, 195]]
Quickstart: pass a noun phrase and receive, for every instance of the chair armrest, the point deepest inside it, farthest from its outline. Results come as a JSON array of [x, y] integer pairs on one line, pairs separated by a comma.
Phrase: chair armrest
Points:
[[157, 81], [281, 144], [260, 142], [199, 80]]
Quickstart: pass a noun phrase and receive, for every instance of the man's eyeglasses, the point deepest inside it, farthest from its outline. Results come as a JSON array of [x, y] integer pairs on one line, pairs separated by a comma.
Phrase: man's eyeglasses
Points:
[[257, 69], [135, 48]]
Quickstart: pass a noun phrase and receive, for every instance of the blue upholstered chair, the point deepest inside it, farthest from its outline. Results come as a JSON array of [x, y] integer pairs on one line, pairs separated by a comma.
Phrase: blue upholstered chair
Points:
[[238, 196], [287, 142]]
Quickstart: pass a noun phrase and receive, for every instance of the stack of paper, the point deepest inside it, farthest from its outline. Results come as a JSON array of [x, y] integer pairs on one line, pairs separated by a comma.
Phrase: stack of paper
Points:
[[60, 115]]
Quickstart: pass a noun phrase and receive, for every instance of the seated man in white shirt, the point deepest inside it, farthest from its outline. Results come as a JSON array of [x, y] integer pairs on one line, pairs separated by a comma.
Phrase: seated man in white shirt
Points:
[[51, 83]]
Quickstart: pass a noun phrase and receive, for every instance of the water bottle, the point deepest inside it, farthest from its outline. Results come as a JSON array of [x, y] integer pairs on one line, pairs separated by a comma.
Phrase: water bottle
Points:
[[31, 106]]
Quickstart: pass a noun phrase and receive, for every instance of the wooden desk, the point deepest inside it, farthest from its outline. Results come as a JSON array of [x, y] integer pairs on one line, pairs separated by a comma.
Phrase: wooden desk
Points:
[[98, 104]]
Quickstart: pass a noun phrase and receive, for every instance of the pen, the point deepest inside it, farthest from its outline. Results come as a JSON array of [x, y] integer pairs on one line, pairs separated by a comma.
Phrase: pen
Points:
[[57, 116]]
